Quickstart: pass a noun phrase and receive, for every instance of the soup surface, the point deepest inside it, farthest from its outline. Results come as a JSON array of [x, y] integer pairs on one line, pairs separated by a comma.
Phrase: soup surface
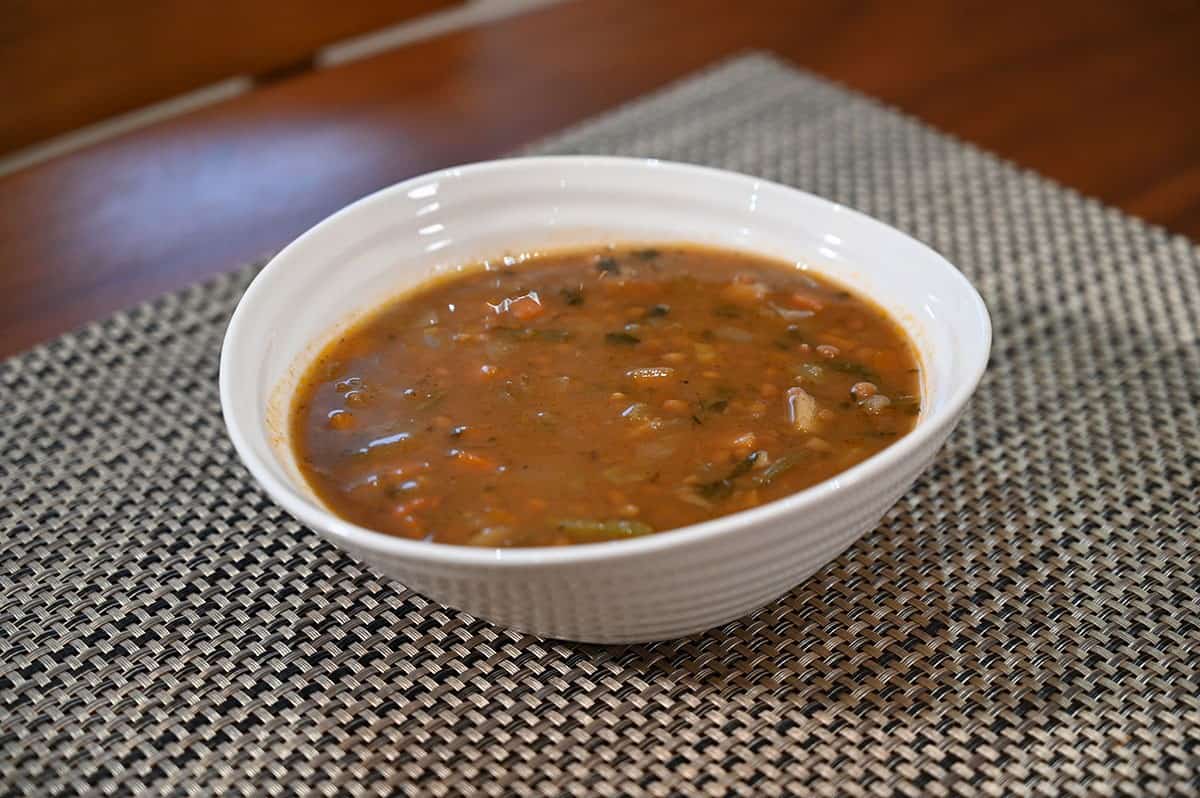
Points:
[[598, 395]]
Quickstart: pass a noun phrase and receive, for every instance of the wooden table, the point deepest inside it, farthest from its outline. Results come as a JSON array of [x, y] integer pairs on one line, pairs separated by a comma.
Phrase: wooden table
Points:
[[1100, 95]]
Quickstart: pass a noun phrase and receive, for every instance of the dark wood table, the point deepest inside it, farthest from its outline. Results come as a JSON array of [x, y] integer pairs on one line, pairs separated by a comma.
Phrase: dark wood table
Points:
[[1099, 95]]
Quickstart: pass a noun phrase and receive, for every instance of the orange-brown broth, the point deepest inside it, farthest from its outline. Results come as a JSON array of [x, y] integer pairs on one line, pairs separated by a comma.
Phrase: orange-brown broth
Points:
[[596, 395]]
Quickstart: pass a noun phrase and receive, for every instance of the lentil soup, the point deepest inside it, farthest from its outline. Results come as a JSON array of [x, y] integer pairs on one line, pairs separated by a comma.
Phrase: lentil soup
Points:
[[595, 395]]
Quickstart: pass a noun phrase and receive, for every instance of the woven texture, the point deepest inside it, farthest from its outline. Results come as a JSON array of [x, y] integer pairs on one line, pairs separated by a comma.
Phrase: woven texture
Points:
[[1024, 621]]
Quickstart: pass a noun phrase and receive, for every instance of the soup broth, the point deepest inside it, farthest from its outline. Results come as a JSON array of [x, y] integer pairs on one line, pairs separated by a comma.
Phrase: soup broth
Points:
[[587, 396]]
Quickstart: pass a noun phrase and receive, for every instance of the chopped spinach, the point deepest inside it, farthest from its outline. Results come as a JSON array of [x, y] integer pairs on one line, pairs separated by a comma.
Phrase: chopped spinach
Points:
[[722, 488], [608, 265], [621, 339], [716, 490], [853, 369], [572, 296], [744, 465]]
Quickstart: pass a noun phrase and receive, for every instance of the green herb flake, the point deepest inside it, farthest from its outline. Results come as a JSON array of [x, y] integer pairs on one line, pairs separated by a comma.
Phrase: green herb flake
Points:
[[621, 339], [608, 265], [572, 296], [658, 311], [646, 254], [715, 405]]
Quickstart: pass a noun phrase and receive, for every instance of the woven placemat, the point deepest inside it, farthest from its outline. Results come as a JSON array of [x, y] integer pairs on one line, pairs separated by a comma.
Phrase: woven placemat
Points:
[[1024, 621]]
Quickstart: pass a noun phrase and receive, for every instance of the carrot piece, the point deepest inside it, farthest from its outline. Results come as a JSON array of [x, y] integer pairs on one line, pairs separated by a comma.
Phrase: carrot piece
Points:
[[802, 301], [475, 462], [676, 407], [525, 308], [341, 420], [417, 504], [744, 292]]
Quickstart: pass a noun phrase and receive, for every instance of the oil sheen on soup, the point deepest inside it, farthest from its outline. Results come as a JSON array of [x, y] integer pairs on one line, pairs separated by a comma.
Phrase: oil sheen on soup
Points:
[[587, 396]]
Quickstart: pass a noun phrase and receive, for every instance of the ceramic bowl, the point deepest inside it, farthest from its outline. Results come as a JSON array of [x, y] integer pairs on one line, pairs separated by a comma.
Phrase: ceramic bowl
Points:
[[661, 586]]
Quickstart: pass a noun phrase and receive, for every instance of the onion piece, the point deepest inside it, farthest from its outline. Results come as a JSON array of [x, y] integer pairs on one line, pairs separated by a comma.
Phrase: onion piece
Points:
[[621, 475], [735, 334], [687, 494], [655, 450], [791, 315], [802, 409]]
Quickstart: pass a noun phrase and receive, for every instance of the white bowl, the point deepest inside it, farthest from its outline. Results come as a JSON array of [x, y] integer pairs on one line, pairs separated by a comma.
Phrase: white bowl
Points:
[[657, 587]]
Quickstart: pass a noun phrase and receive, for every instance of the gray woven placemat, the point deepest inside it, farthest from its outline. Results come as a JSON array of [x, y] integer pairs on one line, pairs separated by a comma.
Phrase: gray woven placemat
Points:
[[1023, 622]]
